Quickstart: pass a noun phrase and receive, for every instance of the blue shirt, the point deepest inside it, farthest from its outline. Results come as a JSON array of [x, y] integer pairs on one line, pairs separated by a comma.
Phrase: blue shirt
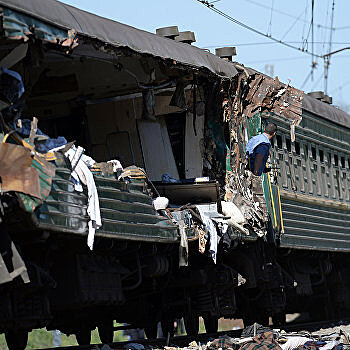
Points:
[[259, 144]]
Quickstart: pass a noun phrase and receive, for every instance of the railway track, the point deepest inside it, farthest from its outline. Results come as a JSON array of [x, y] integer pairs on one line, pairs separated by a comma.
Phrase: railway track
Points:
[[203, 338]]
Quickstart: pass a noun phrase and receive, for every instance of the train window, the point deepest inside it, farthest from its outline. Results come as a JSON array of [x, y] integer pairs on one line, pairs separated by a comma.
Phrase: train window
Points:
[[289, 145], [336, 163], [313, 150], [279, 141], [272, 142], [329, 158], [321, 155], [297, 148], [342, 161], [349, 163], [306, 151]]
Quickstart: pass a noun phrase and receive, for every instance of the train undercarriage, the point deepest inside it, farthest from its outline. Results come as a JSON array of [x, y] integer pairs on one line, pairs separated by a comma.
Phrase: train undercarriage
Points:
[[75, 290]]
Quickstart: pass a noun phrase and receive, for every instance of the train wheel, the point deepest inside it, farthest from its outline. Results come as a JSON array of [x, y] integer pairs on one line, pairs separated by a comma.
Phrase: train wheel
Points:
[[16, 340], [106, 332], [211, 324], [191, 324], [83, 336]]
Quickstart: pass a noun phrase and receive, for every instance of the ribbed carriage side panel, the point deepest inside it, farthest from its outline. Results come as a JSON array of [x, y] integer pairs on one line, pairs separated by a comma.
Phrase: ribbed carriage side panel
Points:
[[126, 211], [315, 226]]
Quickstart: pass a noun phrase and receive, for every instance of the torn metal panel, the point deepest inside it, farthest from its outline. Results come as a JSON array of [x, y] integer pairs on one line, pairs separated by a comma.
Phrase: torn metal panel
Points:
[[269, 95], [18, 25], [254, 95], [25, 172], [16, 172], [53, 19]]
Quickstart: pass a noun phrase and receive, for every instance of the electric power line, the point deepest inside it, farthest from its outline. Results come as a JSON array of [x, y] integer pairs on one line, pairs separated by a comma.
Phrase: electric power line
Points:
[[277, 59], [327, 58], [284, 13], [316, 83], [313, 61], [292, 26], [223, 14], [271, 43], [295, 17], [341, 86], [269, 28]]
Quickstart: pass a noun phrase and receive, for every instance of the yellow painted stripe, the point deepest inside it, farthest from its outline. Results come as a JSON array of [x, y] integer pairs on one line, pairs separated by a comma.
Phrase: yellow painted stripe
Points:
[[5, 138], [279, 198], [273, 202]]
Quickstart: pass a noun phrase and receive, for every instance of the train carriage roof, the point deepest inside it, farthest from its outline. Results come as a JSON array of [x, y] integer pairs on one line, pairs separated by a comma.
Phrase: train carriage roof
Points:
[[326, 111], [67, 17]]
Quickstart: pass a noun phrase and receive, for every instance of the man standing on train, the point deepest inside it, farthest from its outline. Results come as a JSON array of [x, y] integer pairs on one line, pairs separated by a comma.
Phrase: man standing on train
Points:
[[258, 150]]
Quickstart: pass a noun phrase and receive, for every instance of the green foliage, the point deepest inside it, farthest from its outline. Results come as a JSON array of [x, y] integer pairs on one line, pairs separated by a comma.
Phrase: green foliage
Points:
[[41, 338]]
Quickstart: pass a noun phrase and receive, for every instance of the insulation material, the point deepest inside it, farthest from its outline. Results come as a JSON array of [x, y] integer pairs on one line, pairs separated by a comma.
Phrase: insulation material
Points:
[[157, 152], [253, 94], [263, 94]]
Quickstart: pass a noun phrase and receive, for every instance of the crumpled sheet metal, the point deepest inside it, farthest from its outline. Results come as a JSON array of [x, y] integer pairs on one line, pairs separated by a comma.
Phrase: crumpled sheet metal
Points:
[[270, 95], [18, 173], [21, 26], [254, 93]]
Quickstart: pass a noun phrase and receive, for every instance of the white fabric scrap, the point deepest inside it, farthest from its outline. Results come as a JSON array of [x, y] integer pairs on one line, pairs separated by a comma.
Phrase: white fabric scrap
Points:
[[160, 203], [213, 235], [293, 342], [183, 248], [116, 165], [330, 345], [83, 174], [77, 183]]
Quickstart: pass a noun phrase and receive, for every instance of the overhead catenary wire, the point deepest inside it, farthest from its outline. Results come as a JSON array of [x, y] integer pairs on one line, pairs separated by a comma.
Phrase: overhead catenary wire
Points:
[[278, 59], [269, 28], [317, 82], [306, 79], [313, 65], [285, 13], [305, 15], [325, 31], [318, 25], [270, 43], [340, 87], [328, 57], [292, 26], [243, 25]]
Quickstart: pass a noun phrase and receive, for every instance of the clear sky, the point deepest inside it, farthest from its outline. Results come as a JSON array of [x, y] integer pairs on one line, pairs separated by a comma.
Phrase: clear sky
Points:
[[286, 20]]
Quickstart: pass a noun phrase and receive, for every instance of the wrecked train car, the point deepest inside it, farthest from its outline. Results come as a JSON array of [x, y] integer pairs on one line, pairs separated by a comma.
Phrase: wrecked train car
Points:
[[311, 204], [124, 193]]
